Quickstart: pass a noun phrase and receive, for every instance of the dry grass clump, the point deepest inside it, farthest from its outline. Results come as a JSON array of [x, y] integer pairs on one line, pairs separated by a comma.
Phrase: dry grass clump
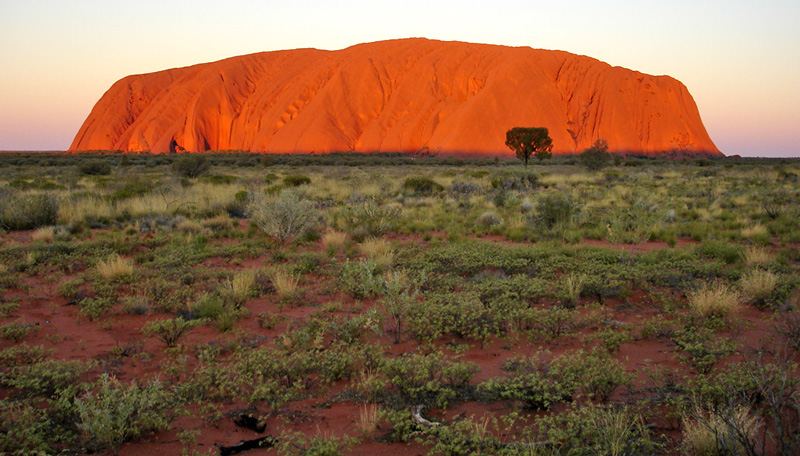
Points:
[[44, 234], [369, 418], [754, 231], [286, 284], [191, 227], [758, 284], [115, 267], [707, 433], [572, 288], [240, 287], [757, 256], [334, 238], [714, 300], [220, 222], [379, 250]]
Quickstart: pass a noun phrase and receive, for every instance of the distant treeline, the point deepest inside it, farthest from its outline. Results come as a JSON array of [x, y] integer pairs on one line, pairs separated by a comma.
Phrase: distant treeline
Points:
[[247, 159]]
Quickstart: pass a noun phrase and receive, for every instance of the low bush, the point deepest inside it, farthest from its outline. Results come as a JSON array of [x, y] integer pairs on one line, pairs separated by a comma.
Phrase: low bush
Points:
[[597, 156], [464, 189], [489, 219], [433, 380], [95, 167], [170, 331], [116, 412], [368, 219], [541, 383], [285, 217], [296, 180], [24, 429], [555, 209], [422, 186], [360, 279], [27, 211], [589, 429], [17, 331], [515, 180], [191, 166], [47, 378], [730, 431]]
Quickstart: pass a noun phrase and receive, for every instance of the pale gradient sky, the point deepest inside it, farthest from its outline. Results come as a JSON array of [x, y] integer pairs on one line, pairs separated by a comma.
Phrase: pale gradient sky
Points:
[[739, 59]]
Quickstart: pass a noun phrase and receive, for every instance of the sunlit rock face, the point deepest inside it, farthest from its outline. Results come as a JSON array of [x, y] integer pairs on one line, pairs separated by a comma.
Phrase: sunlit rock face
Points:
[[410, 95]]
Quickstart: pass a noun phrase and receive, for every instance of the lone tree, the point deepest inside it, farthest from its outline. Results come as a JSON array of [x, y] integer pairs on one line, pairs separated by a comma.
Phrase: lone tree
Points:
[[529, 141], [597, 156]]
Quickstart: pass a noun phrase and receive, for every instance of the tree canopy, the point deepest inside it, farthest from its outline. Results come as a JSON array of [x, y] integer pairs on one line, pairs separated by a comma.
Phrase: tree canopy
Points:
[[529, 141]]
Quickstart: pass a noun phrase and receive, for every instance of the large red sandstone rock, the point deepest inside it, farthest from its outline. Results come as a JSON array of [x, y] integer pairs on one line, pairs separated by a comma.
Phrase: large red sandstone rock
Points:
[[406, 95]]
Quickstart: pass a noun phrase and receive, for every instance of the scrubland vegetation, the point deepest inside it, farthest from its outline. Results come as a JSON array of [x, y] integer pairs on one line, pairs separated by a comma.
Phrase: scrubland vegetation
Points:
[[391, 304]]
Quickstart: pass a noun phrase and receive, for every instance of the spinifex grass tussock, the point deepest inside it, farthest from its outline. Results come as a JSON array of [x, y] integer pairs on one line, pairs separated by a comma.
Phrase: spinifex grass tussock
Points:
[[756, 230], [731, 431], [286, 284], [715, 299], [44, 234], [334, 238], [757, 285], [757, 256], [369, 418], [240, 287], [378, 250], [115, 267]]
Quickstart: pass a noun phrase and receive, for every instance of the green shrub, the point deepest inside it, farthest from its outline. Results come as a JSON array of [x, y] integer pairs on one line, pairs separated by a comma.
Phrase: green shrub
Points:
[[488, 219], [296, 180], [464, 189], [46, 378], [701, 349], [191, 166], [434, 379], [470, 436], [219, 179], [17, 331], [132, 189], [541, 383], [24, 429], [360, 279], [398, 293], [515, 180], [27, 211], [589, 429], [554, 209], [422, 185], [286, 217], [461, 315], [596, 156], [117, 412], [298, 444], [22, 354], [95, 167], [368, 219], [170, 331], [95, 307]]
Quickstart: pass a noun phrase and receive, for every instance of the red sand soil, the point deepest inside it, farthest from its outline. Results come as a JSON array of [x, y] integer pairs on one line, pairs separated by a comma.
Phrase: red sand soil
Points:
[[73, 337], [410, 95]]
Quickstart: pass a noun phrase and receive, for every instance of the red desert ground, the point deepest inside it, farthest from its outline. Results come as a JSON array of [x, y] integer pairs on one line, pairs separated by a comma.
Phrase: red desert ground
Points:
[[409, 95]]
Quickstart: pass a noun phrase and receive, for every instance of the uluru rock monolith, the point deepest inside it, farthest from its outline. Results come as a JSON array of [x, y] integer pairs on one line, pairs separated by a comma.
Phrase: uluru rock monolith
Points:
[[409, 95]]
